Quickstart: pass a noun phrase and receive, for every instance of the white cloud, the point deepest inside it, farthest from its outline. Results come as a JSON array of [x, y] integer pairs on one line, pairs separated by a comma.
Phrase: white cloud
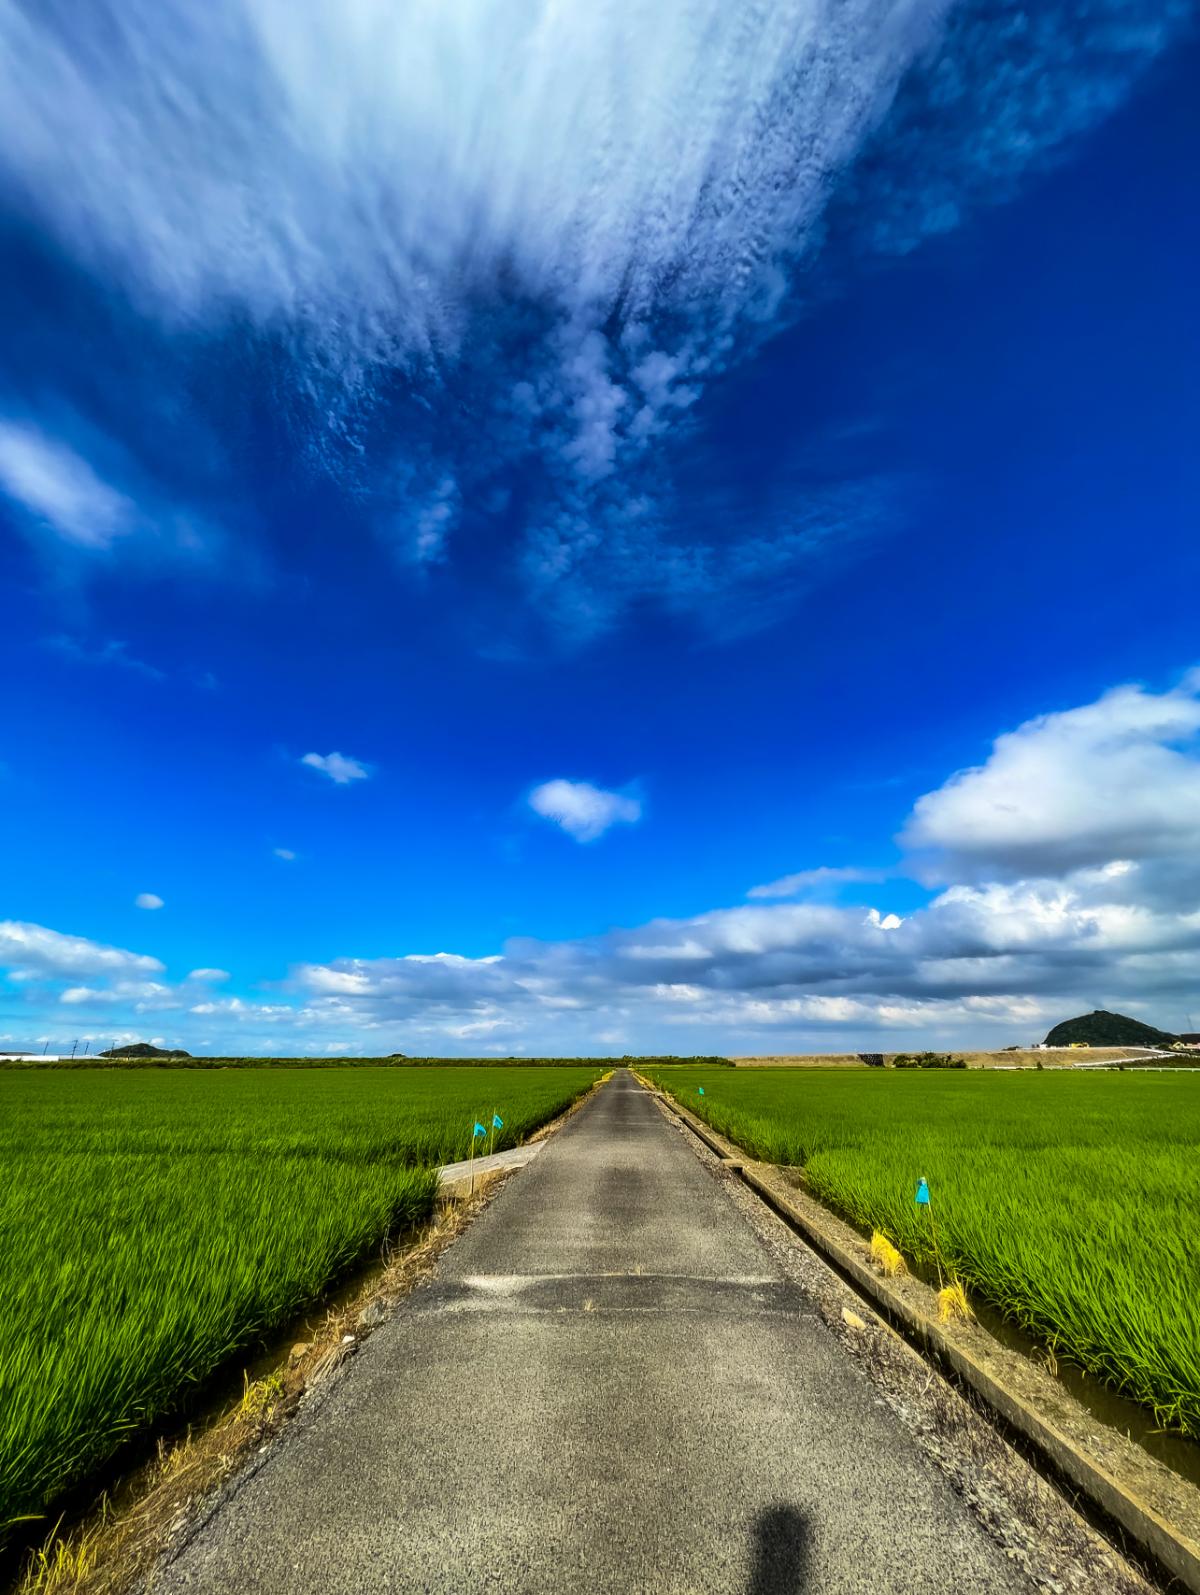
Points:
[[366, 173], [58, 489], [148, 900], [77, 994], [814, 879], [284, 853], [582, 810], [34, 949], [375, 184], [427, 519], [339, 767], [209, 975], [111, 652], [981, 960], [1117, 779]]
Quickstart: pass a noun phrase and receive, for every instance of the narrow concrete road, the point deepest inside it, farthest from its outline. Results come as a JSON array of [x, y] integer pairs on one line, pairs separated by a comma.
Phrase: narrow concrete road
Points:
[[609, 1388]]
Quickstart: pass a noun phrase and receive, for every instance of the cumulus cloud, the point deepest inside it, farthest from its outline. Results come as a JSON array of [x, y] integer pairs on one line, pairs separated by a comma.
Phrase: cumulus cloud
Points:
[[971, 965], [284, 853], [341, 770], [1117, 779], [209, 976], [997, 957], [1072, 916], [78, 994], [35, 950], [582, 810], [549, 227], [148, 900]]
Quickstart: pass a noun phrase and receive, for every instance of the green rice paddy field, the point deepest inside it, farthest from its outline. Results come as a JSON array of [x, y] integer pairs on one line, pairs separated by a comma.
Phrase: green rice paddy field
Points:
[[154, 1223], [1069, 1202]]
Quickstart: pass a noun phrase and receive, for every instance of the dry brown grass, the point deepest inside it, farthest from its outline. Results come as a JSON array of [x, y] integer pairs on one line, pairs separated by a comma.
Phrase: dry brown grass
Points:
[[886, 1256], [808, 1060], [953, 1305], [1026, 1057]]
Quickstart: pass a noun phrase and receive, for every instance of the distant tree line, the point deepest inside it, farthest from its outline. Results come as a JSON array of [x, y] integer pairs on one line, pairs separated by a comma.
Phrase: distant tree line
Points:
[[142, 1055], [913, 1060]]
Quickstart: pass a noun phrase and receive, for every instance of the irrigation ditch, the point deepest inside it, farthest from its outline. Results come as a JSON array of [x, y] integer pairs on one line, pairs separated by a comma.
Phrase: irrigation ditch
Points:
[[1136, 1499]]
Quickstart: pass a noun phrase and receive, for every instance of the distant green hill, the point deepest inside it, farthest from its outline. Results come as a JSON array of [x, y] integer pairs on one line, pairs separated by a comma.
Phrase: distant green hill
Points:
[[142, 1049], [1102, 1029]]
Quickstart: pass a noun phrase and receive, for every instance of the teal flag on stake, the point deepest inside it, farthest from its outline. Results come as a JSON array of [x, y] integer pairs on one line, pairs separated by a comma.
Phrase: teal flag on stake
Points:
[[923, 1193], [478, 1130], [497, 1122], [700, 1088]]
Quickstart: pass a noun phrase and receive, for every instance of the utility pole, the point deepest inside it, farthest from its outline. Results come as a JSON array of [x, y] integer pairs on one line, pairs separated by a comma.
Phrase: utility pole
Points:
[[74, 1044]]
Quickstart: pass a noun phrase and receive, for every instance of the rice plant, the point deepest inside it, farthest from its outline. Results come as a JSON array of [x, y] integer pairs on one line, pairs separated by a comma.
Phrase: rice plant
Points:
[[154, 1224], [1068, 1201]]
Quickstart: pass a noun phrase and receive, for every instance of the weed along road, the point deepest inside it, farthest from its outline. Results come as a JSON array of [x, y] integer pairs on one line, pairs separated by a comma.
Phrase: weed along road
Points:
[[609, 1387]]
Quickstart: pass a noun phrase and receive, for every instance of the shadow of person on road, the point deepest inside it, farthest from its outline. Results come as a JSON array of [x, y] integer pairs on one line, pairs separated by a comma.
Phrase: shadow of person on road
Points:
[[782, 1541]]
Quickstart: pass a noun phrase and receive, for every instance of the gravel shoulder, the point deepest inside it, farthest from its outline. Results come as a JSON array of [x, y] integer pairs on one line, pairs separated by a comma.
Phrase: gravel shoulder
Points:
[[1034, 1523]]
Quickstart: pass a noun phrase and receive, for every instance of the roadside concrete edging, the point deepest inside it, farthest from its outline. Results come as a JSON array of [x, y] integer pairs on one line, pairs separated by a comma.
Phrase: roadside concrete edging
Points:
[[1157, 1509], [455, 1178]]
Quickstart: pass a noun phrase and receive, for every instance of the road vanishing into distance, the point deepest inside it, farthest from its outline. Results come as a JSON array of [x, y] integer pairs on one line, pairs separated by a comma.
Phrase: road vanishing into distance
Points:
[[608, 1387]]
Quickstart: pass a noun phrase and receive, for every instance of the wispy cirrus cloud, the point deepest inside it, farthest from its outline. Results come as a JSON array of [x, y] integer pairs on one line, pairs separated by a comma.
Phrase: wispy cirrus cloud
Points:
[[527, 239], [113, 651], [341, 770], [56, 490], [823, 878], [72, 490]]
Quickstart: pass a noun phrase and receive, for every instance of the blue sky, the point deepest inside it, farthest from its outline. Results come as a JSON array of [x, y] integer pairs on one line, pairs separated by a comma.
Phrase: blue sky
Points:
[[532, 530]]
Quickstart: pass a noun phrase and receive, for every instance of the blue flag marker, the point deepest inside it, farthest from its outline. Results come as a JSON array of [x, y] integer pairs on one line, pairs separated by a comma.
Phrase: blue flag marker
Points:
[[479, 1130], [497, 1122], [923, 1193]]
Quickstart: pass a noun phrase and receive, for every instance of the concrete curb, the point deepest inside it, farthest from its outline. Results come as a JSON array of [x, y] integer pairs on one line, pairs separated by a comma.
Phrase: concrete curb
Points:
[[453, 1177], [1157, 1509]]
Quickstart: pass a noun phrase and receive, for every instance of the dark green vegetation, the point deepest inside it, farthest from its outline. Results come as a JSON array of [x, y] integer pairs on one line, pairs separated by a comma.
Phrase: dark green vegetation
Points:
[[927, 1060], [143, 1049], [1069, 1201], [154, 1223], [1102, 1029], [144, 1056]]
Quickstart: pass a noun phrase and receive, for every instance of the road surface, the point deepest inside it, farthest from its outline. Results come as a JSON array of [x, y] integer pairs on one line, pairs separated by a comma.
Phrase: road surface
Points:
[[609, 1387]]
